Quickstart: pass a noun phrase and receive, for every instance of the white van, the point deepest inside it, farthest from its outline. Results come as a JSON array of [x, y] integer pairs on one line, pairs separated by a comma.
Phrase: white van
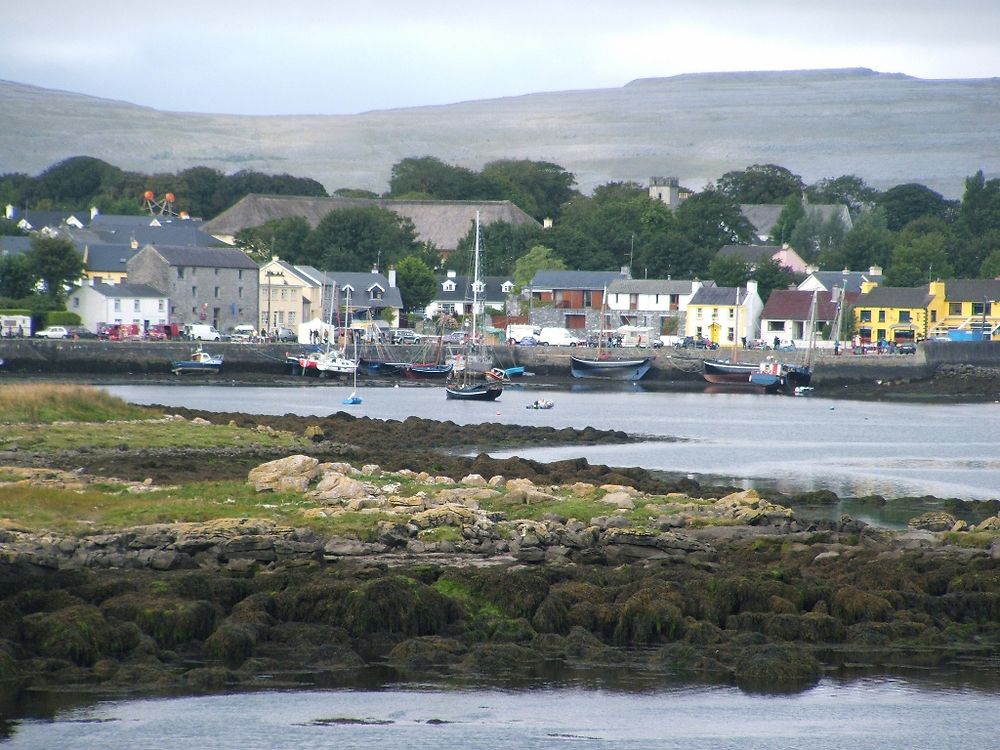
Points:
[[201, 332], [516, 332], [558, 337]]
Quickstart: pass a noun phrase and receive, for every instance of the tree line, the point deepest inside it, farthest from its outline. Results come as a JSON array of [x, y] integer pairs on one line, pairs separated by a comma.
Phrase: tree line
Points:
[[909, 230]]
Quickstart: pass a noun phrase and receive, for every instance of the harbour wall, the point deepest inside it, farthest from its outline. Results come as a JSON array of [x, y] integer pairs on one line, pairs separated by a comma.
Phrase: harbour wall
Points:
[[43, 357]]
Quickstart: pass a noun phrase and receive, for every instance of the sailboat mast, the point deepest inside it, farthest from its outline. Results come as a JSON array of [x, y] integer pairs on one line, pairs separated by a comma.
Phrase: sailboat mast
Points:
[[475, 281], [736, 327]]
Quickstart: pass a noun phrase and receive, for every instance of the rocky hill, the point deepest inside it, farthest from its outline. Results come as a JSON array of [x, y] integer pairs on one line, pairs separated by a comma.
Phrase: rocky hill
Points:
[[886, 128]]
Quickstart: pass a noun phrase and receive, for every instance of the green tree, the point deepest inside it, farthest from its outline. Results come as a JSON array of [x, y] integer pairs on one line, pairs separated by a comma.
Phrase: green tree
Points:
[[282, 238], [918, 259], [354, 193], [500, 245], [10, 229], [416, 282], [729, 270], [869, 243], [17, 279], [760, 183], [538, 258], [849, 190], [538, 188], [711, 219], [815, 236], [359, 239], [430, 176], [906, 203], [771, 275], [56, 263], [790, 216], [991, 265]]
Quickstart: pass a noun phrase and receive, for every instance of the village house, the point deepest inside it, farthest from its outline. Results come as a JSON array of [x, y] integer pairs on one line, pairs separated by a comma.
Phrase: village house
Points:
[[764, 216], [964, 309], [788, 316], [849, 281], [650, 303], [211, 285], [724, 315], [128, 304], [891, 314], [569, 299], [454, 295]]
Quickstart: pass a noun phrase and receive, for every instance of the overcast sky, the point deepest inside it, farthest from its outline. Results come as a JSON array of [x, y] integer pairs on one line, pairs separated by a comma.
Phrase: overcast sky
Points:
[[334, 57]]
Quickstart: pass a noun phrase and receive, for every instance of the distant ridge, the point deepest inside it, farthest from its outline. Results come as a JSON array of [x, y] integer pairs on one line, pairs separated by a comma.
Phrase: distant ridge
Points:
[[888, 128]]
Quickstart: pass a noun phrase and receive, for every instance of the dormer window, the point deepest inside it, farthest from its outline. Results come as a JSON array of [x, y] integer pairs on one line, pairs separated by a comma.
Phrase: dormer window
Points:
[[448, 286], [376, 292], [506, 287], [478, 287]]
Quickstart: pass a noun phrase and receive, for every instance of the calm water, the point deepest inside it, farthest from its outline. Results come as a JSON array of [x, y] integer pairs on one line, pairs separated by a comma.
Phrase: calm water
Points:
[[861, 715], [852, 448]]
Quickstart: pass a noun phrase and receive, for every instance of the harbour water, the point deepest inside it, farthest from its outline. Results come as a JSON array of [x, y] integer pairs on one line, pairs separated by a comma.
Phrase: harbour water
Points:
[[852, 448], [868, 714]]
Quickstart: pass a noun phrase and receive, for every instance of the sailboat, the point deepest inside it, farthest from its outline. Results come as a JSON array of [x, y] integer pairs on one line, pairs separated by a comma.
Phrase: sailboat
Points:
[[463, 387], [332, 361], [604, 366]]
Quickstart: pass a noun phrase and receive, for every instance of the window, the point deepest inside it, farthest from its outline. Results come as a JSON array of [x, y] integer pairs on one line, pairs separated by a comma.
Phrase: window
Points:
[[180, 272], [904, 316], [954, 308], [194, 291], [76, 302], [216, 271], [216, 292], [162, 305], [881, 316], [239, 274], [291, 319], [136, 305], [866, 316], [977, 308], [118, 305], [239, 293], [448, 286]]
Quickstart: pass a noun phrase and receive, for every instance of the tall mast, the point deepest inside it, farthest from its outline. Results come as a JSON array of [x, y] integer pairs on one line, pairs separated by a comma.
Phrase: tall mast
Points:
[[475, 282]]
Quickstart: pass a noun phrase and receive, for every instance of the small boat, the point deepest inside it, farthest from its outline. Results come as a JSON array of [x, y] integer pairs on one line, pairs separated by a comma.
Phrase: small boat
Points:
[[473, 391], [540, 403], [325, 364], [610, 369], [354, 399], [428, 371], [200, 362]]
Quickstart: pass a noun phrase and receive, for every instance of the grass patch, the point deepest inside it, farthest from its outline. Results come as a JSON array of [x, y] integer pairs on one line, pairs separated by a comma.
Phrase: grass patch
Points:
[[47, 402], [145, 434], [972, 539]]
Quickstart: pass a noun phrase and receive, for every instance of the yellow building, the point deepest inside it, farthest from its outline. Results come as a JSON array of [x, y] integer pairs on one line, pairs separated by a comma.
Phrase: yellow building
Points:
[[964, 305], [889, 313]]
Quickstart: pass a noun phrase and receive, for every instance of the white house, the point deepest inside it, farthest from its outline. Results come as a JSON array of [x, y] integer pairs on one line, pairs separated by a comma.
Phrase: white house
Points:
[[648, 302], [119, 303]]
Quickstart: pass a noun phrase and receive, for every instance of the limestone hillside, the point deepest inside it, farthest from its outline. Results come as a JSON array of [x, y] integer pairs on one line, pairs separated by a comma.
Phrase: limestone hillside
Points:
[[886, 128]]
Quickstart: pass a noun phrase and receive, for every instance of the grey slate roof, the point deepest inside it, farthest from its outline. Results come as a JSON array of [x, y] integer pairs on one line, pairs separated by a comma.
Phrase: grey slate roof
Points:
[[12, 245], [361, 285], [651, 286], [442, 223], [593, 280], [106, 221], [975, 290], [106, 258], [716, 295], [204, 257], [896, 296], [127, 290], [492, 289]]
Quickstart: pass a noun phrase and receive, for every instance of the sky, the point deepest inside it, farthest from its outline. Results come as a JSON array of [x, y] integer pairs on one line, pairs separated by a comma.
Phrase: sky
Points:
[[334, 57]]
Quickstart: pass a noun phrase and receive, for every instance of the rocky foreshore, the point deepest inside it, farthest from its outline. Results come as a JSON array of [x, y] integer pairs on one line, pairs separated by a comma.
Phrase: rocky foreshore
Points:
[[486, 576]]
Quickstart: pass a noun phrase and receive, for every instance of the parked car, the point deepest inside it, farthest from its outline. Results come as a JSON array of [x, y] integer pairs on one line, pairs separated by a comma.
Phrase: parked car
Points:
[[281, 333], [405, 336], [80, 332], [695, 342], [610, 338], [528, 341], [53, 332], [201, 332], [907, 347], [555, 336], [454, 337]]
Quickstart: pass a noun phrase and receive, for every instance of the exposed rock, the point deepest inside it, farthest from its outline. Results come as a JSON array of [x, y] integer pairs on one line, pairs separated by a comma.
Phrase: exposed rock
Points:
[[334, 487], [934, 520], [290, 473]]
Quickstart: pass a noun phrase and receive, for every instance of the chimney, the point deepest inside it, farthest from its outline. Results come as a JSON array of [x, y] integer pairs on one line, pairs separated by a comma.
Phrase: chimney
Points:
[[875, 270], [392, 277], [134, 244], [451, 274], [93, 212], [9, 212], [547, 223], [752, 286]]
